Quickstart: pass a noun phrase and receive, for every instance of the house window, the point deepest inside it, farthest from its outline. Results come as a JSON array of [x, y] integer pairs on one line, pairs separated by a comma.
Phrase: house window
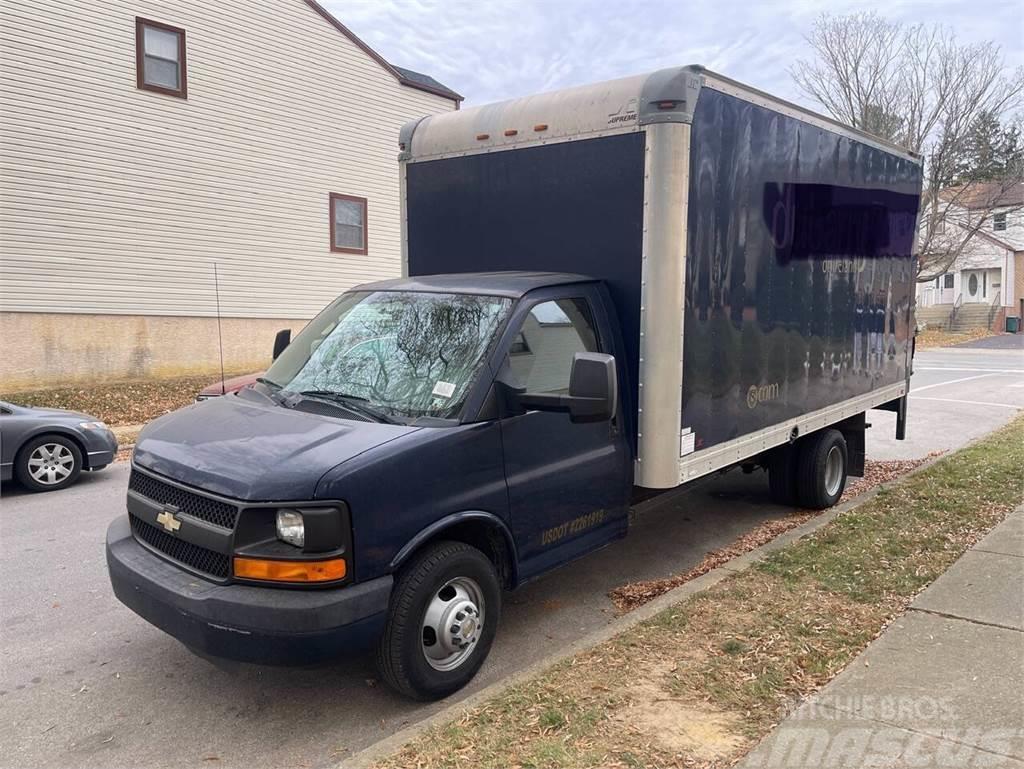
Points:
[[348, 224], [160, 63], [999, 221], [947, 280]]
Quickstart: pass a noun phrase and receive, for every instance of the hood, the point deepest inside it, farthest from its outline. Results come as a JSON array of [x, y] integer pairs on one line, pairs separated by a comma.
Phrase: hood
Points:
[[58, 413], [253, 449]]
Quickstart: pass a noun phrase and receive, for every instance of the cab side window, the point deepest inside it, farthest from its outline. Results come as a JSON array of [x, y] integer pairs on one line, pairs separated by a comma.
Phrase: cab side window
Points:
[[541, 358]]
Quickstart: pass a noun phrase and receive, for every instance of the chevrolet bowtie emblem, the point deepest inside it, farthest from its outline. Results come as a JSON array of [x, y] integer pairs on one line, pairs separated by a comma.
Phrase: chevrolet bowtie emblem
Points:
[[168, 521]]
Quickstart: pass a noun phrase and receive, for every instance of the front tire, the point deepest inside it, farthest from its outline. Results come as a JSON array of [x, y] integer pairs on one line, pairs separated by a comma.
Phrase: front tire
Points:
[[441, 621], [822, 469], [48, 463]]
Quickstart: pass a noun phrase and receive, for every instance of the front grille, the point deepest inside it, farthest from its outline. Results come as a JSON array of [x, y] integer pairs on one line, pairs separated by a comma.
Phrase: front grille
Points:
[[193, 556], [205, 509]]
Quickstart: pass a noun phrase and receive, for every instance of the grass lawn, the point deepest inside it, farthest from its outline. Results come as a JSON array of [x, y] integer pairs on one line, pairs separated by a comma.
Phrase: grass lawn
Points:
[[120, 403], [701, 682]]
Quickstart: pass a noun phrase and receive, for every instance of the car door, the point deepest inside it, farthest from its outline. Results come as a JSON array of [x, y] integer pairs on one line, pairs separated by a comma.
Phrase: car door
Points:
[[568, 483]]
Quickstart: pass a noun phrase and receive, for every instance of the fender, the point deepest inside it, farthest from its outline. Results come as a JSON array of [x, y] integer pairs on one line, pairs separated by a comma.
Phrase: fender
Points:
[[452, 520], [45, 429]]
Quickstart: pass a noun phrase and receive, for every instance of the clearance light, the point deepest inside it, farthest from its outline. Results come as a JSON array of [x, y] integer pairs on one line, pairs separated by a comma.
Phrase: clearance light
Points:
[[540, 127], [510, 132], [482, 137], [667, 104], [290, 571]]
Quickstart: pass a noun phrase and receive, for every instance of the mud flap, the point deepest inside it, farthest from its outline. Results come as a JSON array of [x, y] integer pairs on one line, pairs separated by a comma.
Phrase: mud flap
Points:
[[901, 418], [900, 407]]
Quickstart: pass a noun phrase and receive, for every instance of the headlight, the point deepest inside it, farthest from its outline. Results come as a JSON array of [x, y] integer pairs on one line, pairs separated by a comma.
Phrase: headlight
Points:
[[92, 425], [291, 528]]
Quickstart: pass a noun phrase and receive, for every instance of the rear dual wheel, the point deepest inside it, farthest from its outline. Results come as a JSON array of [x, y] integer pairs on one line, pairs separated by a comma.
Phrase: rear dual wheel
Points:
[[810, 473]]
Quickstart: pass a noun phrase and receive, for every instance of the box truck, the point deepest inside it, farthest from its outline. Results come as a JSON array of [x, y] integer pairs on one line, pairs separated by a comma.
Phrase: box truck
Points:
[[607, 291]]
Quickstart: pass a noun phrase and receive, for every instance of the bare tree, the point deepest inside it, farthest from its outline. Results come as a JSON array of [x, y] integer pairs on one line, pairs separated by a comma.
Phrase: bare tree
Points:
[[918, 86]]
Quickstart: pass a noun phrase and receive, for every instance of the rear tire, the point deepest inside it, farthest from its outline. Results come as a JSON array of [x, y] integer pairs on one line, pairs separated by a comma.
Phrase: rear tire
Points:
[[822, 469], [782, 475], [48, 463], [441, 622]]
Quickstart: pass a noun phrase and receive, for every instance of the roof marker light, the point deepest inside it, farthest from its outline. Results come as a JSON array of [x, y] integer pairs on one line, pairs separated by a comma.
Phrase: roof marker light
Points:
[[511, 132], [482, 137], [540, 127]]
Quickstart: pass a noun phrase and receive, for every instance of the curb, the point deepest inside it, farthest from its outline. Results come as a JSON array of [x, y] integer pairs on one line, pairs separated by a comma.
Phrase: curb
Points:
[[367, 756]]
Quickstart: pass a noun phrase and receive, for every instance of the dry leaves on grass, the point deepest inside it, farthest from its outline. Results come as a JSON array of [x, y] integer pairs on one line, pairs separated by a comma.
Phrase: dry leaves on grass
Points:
[[932, 337], [628, 597], [119, 403], [877, 473]]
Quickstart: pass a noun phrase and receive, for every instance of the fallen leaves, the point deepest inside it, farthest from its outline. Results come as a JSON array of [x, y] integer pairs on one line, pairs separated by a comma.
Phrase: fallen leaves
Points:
[[119, 403], [628, 597], [932, 337]]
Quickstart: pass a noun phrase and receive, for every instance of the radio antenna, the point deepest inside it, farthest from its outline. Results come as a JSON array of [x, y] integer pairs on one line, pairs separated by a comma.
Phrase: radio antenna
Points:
[[220, 336]]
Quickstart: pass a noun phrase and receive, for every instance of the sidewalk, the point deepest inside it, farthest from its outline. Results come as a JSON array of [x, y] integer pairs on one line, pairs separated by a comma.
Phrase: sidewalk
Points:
[[943, 686]]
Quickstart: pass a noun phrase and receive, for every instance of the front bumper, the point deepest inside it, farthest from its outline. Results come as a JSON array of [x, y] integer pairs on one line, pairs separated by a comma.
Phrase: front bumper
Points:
[[251, 624], [100, 448]]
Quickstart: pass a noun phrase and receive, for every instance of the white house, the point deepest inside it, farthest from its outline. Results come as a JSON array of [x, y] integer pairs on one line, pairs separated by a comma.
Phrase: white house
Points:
[[986, 282], [142, 142]]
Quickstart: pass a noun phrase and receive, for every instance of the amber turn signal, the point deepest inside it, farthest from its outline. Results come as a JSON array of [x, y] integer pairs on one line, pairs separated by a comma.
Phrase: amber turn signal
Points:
[[290, 571]]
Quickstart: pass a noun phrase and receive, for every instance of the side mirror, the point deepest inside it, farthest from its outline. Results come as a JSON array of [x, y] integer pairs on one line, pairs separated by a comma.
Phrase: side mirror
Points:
[[282, 340], [593, 390]]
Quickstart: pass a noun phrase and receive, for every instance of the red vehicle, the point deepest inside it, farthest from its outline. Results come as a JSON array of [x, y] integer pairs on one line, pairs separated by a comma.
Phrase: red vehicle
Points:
[[236, 383], [225, 386]]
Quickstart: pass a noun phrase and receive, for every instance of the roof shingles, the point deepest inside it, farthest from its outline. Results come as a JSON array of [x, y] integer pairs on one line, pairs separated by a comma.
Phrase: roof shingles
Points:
[[406, 77]]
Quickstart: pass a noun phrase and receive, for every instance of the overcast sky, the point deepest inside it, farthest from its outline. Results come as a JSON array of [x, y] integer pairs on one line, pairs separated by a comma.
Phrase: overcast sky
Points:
[[490, 50]]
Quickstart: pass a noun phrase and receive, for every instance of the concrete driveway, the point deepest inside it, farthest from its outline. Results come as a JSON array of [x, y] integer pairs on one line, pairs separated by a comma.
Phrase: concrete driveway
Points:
[[84, 682]]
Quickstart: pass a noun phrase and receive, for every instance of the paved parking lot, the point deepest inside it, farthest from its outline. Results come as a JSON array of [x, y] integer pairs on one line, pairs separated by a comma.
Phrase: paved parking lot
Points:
[[84, 682]]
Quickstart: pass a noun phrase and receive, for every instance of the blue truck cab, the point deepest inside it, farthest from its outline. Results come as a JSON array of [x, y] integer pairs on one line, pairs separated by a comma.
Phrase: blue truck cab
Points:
[[614, 288], [416, 427]]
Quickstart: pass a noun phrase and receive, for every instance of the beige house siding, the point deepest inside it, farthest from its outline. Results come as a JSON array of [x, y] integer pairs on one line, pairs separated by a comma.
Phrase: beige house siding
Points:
[[116, 201], [1017, 307], [53, 348]]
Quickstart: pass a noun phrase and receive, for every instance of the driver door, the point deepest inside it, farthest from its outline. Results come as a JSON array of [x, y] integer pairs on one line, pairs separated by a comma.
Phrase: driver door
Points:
[[568, 483]]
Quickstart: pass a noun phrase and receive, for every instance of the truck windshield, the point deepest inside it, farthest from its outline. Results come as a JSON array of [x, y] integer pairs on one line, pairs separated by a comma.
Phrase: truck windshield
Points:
[[407, 354]]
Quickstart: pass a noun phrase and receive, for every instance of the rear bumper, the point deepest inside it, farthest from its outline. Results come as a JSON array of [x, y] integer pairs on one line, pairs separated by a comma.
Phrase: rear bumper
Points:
[[250, 624]]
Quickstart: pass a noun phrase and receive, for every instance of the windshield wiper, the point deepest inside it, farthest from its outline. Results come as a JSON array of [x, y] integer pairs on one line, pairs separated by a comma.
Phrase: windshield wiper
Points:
[[356, 403]]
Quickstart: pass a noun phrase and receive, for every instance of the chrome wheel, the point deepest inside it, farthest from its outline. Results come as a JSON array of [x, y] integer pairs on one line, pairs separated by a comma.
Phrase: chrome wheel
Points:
[[51, 464], [453, 623], [834, 471]]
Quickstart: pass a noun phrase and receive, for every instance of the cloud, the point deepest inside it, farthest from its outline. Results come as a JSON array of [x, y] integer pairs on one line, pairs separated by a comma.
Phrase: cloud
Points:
[[490, 51]]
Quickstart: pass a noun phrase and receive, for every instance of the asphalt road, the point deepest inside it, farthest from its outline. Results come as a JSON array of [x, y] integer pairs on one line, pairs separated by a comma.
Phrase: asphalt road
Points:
[[84, 682]]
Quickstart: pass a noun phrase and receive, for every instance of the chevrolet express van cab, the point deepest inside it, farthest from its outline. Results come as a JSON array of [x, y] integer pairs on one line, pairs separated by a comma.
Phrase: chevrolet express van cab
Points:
[[613, 288]]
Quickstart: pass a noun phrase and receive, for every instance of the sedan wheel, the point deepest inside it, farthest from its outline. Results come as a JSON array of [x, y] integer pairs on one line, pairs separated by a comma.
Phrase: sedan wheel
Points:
[[49, 463]]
